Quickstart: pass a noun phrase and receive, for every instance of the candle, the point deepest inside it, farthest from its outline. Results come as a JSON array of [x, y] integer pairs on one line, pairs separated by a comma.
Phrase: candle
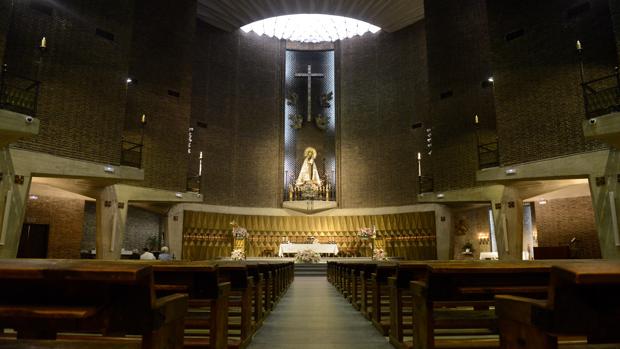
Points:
[[43, 43], [578, 45], [143, 119], [476, 119]]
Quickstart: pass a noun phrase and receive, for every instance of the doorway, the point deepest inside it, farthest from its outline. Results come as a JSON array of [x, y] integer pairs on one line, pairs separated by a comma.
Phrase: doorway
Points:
[[33, 241]]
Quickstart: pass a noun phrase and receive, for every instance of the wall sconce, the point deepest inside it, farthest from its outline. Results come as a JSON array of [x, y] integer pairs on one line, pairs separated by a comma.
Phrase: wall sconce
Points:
[[43, 44], [108, 169], [19, 179], [511, 171], [483, 238]]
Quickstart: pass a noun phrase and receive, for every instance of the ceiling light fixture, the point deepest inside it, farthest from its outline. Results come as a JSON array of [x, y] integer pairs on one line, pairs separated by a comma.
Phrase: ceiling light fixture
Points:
[[310, 27]]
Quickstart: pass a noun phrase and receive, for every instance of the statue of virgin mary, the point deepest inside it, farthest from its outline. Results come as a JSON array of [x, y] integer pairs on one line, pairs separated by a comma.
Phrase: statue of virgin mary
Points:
[[309, 172]]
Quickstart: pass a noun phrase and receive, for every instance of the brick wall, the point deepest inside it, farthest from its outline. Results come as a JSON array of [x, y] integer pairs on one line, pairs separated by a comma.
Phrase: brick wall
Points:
[[82, 97], [5, 13], [537, 94], [614, 8], [560, 220], [459, 62], [237, 93], [383, 91], [161, 63], [65, 218], [467, 224], [140, 226]]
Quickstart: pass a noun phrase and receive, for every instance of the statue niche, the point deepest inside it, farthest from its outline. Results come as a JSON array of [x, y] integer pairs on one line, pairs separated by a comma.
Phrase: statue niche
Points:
[[309, 185], [309, 174]]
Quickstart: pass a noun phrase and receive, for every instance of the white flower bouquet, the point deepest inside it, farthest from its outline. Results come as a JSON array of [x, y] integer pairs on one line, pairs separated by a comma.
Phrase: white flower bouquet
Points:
[[237, 255], [238, 232], [379, 255], [367, 233], [307, 256]]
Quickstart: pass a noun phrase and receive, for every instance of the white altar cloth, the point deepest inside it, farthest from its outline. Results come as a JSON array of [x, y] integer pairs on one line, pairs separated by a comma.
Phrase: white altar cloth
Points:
[[318, 248]]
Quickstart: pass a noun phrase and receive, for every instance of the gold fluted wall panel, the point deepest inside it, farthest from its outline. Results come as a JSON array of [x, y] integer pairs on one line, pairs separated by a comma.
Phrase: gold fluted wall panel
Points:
[[408, 235]]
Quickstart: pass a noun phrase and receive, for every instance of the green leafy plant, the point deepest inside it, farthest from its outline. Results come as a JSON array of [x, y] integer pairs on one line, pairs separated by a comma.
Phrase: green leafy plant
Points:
[[467, 247]]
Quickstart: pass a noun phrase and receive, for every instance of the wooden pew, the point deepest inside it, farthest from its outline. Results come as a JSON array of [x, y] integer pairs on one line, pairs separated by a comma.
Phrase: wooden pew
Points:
[[583, 301], [379, 312], [473, 284], [208, 299], [240, 303], [40, 298], [401, 300]]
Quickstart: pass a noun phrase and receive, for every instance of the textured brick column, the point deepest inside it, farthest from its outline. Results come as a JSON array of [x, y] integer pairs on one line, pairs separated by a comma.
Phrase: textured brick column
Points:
[[603, 207], [508, 217], [14, 189], [111, 221]]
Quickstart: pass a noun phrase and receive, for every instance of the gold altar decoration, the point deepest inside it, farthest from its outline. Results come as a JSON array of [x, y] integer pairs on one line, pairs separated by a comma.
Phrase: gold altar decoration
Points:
[[408, 235]]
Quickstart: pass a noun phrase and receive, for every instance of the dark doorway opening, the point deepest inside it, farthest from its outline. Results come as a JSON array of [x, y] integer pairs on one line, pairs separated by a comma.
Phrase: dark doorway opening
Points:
[[33, 242]]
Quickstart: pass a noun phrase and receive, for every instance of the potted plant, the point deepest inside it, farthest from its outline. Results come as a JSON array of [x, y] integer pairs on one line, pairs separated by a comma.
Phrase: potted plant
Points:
[[467, 249]]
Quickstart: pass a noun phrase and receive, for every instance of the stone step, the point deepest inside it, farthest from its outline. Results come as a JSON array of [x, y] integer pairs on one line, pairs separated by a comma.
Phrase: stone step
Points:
[[318, 269]]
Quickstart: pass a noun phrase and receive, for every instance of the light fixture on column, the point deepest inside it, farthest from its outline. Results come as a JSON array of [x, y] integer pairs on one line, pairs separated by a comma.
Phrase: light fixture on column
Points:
[[43, 44]]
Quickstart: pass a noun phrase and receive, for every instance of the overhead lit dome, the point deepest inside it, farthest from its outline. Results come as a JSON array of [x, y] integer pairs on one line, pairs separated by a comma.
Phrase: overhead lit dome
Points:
[[310, 27]]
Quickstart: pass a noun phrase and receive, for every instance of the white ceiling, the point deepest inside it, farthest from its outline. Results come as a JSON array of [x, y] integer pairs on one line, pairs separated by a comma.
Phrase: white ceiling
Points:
[[390, 15]]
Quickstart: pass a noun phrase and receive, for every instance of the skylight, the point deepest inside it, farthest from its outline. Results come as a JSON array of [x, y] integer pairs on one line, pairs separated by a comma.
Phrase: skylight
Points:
[[310, 27]]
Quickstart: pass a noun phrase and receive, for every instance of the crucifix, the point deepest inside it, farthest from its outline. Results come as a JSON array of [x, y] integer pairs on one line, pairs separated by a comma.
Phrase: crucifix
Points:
[[309, 75]]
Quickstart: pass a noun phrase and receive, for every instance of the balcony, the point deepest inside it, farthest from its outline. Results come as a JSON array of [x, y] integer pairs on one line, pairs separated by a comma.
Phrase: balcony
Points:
[[602, 96], [194, 184], [425, 184], [18, 94], [488, 155], [131, 154]]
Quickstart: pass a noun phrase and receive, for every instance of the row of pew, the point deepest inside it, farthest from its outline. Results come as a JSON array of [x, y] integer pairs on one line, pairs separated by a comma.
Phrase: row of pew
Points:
[[136, 304], [485, 304]]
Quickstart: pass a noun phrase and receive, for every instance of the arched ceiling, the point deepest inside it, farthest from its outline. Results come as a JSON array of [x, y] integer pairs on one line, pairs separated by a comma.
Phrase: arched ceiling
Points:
[[390, 15]]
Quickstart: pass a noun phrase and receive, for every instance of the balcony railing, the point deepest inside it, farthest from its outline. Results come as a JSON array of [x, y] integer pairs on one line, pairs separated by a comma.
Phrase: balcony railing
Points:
[[131, 154], [194, 184], [18, 94], [488, 155], [426, 184], [602, 96]]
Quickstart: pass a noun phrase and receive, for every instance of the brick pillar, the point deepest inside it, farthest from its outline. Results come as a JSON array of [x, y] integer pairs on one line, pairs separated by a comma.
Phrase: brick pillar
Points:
[[111, 221], [14, 189]]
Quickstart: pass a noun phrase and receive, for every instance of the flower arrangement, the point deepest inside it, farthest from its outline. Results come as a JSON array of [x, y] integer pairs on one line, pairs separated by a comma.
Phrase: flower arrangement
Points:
[[379, 255], [467, 248], [237, 255], [238, 232], [367, 233], [307, 256]]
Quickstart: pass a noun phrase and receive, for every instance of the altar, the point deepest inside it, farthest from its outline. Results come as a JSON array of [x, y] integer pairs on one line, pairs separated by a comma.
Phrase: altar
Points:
[[318, 248]]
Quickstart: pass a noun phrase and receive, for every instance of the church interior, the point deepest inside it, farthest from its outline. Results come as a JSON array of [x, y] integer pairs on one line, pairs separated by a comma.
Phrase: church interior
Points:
[[304, 174]]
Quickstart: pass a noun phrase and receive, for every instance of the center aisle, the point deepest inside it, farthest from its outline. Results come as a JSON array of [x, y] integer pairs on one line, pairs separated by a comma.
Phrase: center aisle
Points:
[[313, 314]]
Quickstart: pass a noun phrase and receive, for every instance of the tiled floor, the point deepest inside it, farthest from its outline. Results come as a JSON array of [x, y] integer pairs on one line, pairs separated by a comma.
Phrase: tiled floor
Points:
[[313, 314]]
